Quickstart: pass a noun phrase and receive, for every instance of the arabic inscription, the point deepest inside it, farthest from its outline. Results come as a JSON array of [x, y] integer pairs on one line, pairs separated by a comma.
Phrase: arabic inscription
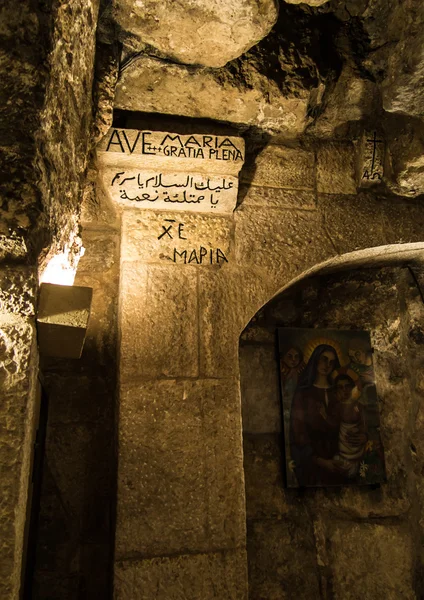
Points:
[[160, 170]]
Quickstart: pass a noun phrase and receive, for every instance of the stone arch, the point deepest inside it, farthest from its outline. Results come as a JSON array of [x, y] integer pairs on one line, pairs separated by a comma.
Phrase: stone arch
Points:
[[302, 542], [389, 254]]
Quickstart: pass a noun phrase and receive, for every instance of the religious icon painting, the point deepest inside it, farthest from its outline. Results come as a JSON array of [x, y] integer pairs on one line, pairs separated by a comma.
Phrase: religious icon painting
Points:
[[330, 408]]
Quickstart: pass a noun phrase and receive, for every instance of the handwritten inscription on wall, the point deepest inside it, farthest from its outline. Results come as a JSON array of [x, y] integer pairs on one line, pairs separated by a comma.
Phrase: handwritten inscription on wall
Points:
[[160, 170], [142, 188], [189, 256], [153, 143], [373, 162]]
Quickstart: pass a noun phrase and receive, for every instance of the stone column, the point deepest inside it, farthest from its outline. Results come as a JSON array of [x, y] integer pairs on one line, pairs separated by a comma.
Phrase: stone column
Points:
[[181, 514]]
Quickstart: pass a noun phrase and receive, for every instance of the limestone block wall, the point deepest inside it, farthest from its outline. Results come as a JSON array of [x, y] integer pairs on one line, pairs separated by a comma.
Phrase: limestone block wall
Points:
[[181, 520], [348, 542]]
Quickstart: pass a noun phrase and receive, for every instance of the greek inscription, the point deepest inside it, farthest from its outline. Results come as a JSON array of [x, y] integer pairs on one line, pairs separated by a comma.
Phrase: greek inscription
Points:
[[167, 229], [197, 256], [180, 231], [200, 256]]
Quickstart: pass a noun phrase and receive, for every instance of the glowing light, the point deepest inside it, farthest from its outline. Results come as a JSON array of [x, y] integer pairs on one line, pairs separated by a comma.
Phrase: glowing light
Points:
[[60, 270]]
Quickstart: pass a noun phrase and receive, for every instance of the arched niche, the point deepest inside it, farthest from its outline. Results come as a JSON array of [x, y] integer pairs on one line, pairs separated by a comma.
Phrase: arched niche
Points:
[[347, 542]]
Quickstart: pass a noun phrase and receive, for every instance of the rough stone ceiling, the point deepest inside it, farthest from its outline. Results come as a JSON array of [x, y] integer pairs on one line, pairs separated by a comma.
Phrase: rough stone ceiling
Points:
[[291, 71]]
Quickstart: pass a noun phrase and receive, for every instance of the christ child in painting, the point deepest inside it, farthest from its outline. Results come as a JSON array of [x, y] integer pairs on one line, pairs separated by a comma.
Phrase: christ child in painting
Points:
[[361, 361], [352, 436]]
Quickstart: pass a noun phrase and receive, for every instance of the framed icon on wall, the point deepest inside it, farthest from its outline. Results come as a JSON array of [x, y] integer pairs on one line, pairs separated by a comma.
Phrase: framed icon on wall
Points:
[[330, 408]]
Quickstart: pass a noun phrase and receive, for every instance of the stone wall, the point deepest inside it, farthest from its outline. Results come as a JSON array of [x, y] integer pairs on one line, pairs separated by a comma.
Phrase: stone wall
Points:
[[181, 522], [47, 69], [23, 84], [350, 542], [180, 491], [77, 516], [18, 383]]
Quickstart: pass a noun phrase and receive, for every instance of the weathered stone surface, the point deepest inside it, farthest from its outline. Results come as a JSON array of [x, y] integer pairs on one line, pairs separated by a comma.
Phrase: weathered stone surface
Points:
[[183, 33], [17, 291], [101, 252], [96, 206], [211, 576], [346, 300], [405, 71], [388, 548], [263, 472], [352, 99], [281, 167], [390, 500], [286, 242], [310, 2], [11, 532], [163, 237], [415, 310], [66, 118], [336, 169], [258, 334], [12, 247], [282, 559], [176, 492], [16, 346], [158, 322], [161, 489], [353, 222], [223, 462], [259, 389], [17, 382], [106, 76], [152, 85], [228, 298], [21, 97], [22, 31], [12, 435], [256, 195], [401, 218], [406, 154]]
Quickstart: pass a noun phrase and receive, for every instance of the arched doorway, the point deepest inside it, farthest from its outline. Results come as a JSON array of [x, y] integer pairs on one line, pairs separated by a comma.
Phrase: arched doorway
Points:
[[347, 542]]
